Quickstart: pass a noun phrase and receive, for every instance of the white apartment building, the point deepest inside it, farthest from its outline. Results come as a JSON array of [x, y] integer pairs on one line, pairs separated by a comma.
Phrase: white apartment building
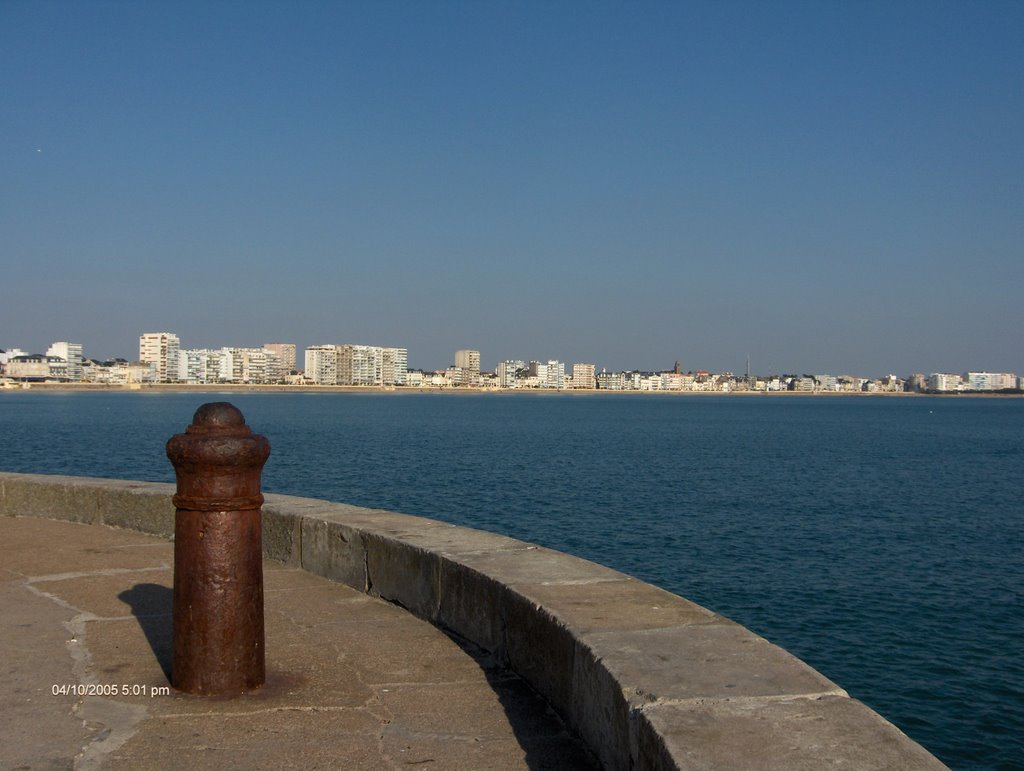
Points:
[[538, 371], [507, 373], [229, 365], [161, 349], [322, 364], [646, 382], [943, 381], [550, 375], [360, 365], [989, 381], [199, 365], [72, 354], [394, 368], [350, 364], [250, 365], [583, 375], [556, 374]]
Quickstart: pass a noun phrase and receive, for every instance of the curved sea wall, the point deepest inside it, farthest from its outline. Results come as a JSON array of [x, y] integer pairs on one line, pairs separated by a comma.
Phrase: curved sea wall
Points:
[[647, 678]]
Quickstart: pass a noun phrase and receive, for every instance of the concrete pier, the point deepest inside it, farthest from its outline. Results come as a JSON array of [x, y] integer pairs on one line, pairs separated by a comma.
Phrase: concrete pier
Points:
[[572, 663], [361, 684]]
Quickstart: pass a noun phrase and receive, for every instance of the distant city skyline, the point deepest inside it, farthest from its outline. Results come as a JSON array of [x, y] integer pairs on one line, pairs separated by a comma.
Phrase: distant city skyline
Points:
[[153, 346], [820, 187]]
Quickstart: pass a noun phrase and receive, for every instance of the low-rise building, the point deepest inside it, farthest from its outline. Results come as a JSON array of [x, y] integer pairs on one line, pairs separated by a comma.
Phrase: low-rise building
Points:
[[673, 381], [161, 349], [611, 381], [37, 367], [647, 381], [849, 384], [826, 383], [891, 384], [119, 372]]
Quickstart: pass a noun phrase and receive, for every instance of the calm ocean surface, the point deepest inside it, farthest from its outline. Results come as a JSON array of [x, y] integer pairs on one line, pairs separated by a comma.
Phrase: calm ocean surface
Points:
[[879, 539]]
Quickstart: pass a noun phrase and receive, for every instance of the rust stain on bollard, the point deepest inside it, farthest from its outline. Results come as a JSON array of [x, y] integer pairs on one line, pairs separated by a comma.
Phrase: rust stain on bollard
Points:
[[218, 645]]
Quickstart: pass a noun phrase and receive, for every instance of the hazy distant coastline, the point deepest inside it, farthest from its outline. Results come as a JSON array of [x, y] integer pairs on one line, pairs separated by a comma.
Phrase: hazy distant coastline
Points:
[[207, 388]]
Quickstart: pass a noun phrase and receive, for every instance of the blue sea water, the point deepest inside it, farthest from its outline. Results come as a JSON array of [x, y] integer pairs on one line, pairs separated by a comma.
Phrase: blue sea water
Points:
[[878, 539]]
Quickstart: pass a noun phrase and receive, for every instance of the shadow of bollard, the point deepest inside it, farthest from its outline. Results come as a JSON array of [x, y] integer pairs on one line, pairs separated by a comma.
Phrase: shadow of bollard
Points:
[[152, 605]]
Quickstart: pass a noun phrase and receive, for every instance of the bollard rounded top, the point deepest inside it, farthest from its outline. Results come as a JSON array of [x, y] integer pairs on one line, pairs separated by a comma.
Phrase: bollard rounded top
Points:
[[217, 461], [219, 417]]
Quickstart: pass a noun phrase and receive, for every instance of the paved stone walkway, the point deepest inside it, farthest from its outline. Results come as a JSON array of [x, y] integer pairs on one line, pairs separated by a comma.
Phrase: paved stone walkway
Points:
[[353, 682]]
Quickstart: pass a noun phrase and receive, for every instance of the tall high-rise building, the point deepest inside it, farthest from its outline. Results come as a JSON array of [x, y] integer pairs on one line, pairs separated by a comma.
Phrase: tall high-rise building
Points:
[[359, 365], [161, 349], [285, 353], [466, 371], [556, 374], [322, 364], [394, 368], [72, 354], [468, 361]]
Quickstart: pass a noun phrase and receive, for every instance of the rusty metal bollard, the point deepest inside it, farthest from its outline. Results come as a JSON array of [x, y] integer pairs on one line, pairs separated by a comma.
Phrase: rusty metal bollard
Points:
[[218, 554]]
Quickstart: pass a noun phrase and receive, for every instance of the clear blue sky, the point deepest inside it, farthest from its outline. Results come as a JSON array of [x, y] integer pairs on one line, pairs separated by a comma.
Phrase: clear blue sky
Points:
[[825, 186]]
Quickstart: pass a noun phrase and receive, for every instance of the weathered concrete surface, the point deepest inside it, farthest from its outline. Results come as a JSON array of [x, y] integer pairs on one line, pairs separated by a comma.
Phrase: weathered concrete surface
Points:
[[353, 682], [646, 678], [795, 734]]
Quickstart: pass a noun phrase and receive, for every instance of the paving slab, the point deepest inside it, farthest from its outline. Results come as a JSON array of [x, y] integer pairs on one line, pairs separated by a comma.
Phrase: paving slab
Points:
[[352, 681]]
